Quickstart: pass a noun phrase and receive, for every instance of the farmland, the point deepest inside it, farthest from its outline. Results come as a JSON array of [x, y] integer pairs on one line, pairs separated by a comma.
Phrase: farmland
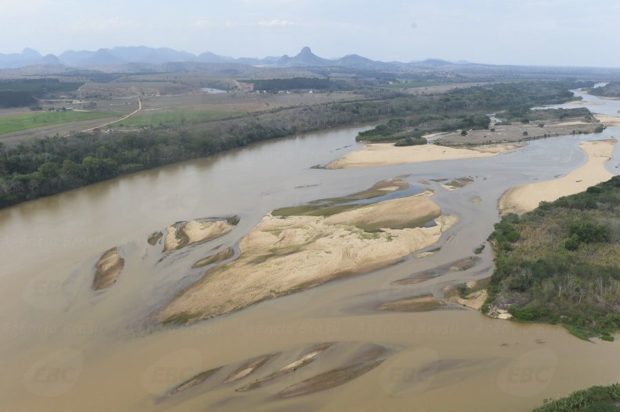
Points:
[[25, 121]]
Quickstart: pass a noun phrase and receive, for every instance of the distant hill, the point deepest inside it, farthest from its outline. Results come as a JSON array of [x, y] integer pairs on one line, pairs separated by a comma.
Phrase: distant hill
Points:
[[27, 57], [149, 59], [119, 56], [305, 58]]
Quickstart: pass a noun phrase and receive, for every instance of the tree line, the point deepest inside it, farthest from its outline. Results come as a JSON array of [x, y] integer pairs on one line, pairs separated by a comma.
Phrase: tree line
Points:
[[55, 164]]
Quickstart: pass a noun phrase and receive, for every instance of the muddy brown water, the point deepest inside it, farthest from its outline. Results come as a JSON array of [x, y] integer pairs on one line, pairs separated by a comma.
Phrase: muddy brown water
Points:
[[65, 347]]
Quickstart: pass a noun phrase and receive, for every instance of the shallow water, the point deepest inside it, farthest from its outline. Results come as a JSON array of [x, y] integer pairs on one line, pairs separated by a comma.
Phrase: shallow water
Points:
[[65, 347]]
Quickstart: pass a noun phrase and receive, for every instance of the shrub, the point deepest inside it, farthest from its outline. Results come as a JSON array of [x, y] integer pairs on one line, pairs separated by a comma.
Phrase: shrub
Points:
[[572, 243], [589, 232], [594, 399], [411, 141], [528, 313]]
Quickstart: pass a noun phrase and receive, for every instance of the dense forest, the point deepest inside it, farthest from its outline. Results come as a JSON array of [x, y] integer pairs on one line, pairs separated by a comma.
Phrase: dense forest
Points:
[[55, 164], [24, 92], [561, 263], [611, 89]]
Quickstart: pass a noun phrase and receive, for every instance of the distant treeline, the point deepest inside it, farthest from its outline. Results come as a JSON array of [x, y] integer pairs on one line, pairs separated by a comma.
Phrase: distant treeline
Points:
[[465, 109], [609, 90], [55, 164], [298, 83], [531, 116], [11, 98], [24, 92]]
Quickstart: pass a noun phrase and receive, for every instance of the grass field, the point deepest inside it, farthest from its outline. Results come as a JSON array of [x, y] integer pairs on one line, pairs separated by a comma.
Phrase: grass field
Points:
[[17, 122], [175, 118]]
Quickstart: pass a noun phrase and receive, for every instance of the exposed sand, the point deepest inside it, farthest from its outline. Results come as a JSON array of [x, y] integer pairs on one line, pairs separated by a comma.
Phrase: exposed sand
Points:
[[474, 300], [182, 234], [608, 120], [248, 367], [107, 269], [283, 255], [396, 214], [422, 303], [306, 358], [572, 123], [525, 198], [384, 154], [334, 364]]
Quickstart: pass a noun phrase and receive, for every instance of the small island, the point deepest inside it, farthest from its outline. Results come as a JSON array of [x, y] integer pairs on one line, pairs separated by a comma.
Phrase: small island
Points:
[[449, 137], [300, 247]]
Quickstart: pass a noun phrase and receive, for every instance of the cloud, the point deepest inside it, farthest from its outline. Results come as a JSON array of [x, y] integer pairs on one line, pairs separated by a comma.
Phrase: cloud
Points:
[[275, 23]]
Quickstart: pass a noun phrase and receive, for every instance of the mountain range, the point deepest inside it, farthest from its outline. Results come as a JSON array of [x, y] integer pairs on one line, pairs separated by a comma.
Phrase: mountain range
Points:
[[142, 55]]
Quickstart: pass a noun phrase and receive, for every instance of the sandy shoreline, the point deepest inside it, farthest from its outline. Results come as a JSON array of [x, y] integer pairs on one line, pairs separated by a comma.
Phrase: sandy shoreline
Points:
[[284, 255], [608, 120], [527, 197], [385, 154]]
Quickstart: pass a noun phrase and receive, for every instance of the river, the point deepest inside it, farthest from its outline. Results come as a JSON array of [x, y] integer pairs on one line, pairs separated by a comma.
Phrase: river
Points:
[[64, 347]]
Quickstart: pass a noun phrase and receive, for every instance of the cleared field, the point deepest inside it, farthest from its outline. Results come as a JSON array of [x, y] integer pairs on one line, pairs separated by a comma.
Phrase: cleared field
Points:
[[240, 102], [174, 118], [18, 122], [195, 108]]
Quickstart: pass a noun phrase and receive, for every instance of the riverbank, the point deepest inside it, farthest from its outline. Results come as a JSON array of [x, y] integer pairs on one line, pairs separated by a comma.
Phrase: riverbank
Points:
[[33, 169], [527, 197], [284, 255], [387, 154]]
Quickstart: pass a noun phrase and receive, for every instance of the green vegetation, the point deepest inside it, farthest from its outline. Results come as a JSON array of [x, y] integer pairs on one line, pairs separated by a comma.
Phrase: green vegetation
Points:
[[17, 122], [519, 114], [47, 166], [561, 263], [24, 92], [408, 132], [175, 119], [411, 141], [594, 399], [611, 89], [464, 109]]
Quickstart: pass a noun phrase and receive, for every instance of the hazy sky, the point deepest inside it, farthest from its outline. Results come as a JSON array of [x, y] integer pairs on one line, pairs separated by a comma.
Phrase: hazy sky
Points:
[[551, 32]]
